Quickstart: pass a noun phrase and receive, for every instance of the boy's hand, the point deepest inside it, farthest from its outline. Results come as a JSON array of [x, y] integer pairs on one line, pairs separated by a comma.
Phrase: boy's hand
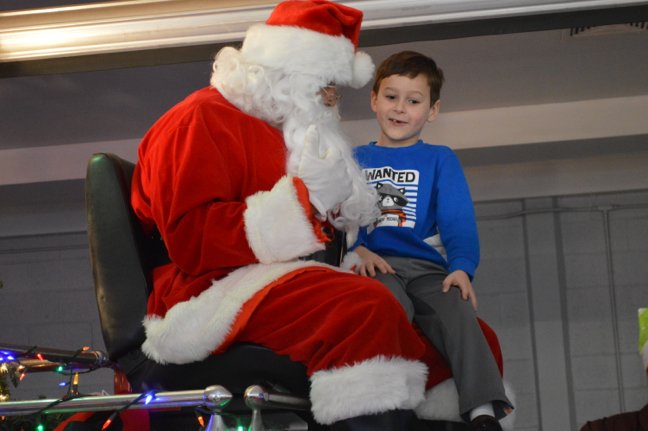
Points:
[[370, 261], [460, 280]]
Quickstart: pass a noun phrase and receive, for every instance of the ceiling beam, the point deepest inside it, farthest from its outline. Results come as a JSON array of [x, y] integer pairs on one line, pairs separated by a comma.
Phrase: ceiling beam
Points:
[[152, 32]]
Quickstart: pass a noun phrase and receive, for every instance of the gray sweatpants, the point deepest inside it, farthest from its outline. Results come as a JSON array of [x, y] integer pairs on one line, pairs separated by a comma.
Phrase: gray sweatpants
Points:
[[451, 325]]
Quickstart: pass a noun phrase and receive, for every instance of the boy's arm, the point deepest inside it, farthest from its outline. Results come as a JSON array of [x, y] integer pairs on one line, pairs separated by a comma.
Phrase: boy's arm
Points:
[[456, 217]]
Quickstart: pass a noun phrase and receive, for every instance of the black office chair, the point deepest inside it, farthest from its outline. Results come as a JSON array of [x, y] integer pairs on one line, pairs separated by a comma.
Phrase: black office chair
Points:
[[122, 259]]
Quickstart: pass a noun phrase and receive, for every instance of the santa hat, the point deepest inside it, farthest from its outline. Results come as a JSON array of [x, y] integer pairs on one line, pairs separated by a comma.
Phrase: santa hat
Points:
[[311, 37]]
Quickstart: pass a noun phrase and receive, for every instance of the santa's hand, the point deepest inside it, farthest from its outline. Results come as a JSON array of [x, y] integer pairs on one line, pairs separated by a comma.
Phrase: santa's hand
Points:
[[324, 172]]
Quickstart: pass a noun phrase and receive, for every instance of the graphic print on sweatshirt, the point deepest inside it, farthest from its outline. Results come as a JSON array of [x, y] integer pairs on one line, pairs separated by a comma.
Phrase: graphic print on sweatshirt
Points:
[[397, 193]]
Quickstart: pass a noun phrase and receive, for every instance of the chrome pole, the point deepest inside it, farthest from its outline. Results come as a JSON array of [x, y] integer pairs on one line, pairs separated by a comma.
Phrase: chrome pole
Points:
[[215, 397], [257, 398]]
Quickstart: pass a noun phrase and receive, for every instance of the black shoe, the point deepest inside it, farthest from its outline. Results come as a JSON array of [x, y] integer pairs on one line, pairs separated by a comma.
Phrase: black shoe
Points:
[[485, 423]]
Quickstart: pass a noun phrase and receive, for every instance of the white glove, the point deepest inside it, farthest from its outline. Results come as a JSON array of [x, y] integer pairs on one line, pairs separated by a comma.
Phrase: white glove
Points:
[[324, 172]]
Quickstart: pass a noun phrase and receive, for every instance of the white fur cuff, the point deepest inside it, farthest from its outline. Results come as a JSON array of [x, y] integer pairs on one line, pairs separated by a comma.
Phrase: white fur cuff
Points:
[[372, 386], [276, 225], [350, 261]]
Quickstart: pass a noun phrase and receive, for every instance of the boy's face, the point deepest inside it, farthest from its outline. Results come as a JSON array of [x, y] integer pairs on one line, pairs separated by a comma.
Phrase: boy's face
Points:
[[402, 107]]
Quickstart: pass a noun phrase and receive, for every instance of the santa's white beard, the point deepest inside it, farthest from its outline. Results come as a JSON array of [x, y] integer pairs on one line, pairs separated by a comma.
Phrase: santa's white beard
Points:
[[293, 102], [360, 208]]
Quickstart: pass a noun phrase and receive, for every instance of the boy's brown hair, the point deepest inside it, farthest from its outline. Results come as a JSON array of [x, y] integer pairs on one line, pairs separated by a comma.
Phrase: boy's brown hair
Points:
[[411, 64]]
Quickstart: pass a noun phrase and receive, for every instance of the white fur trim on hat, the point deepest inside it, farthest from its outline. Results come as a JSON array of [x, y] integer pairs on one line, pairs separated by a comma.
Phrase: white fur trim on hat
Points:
[[372, 386], [276, 224], [192, 329], [442, 404], [303, 51]]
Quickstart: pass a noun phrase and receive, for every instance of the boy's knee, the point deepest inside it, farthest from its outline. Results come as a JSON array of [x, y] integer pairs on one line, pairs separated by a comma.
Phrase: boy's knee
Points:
[[457, 305]]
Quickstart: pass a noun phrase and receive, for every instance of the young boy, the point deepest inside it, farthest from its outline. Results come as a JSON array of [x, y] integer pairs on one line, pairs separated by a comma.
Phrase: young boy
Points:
[[424, 247]]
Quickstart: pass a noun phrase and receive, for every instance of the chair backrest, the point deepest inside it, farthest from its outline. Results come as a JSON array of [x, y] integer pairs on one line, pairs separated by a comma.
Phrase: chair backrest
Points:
[[119, 253]]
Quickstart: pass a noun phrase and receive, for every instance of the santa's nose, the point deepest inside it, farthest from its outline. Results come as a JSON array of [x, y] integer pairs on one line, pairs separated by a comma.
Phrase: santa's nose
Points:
[[330, 95]]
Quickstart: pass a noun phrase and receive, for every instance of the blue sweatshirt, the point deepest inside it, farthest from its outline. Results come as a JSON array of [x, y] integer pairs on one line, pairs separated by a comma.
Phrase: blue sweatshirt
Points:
[[423, 192]]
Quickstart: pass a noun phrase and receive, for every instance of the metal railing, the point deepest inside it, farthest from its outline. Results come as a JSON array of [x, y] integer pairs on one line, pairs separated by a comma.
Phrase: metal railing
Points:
[[212, 400]]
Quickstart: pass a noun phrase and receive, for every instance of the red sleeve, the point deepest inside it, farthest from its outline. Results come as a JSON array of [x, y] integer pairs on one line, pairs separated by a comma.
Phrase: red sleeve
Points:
[[190, 185], [198, 171]]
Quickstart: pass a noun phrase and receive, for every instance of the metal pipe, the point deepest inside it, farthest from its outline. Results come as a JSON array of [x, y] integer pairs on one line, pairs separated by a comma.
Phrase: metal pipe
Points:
[[216, 423], [257, 397], [214, 397], [616, 337], [82, 358]]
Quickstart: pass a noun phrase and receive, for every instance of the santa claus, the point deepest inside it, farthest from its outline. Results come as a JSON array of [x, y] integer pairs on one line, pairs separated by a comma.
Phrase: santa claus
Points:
[[239, 179]]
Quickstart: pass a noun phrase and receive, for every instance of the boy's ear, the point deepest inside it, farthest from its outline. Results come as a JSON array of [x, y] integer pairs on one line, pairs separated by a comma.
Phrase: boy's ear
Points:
[[434, 110], [374, 97]]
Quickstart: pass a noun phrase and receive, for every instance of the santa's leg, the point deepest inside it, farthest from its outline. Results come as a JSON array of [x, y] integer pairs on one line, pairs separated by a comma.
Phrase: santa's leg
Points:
[[360, 351]]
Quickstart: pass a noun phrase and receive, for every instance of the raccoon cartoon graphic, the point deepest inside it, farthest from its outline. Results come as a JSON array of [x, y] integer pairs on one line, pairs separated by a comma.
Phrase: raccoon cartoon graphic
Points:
[[391, 202]]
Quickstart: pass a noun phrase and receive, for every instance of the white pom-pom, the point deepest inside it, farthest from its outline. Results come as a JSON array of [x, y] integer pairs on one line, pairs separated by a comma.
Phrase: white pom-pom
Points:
[[363, 69]]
